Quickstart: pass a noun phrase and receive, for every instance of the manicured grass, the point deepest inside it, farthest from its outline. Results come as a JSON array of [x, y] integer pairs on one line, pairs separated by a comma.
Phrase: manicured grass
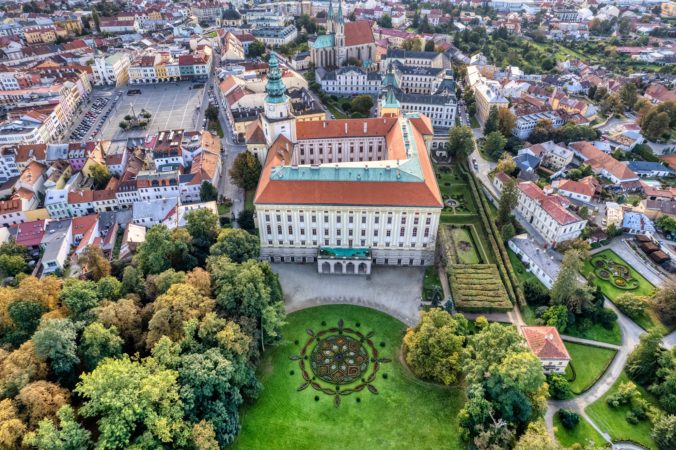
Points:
[[597, 333], [406, 413], [645, 288], [522, 274], [248, 200], [613, 420], [581, 434], [465, 246], [589, 363], [430, 281]]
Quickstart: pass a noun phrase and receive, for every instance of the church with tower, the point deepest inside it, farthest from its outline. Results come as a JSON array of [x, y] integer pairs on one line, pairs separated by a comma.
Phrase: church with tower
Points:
[[344, 43]]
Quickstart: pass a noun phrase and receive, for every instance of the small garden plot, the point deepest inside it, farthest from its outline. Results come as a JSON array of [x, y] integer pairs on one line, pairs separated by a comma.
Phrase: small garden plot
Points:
[[614, 276], [465, 247], [478, 287], [587, 365]]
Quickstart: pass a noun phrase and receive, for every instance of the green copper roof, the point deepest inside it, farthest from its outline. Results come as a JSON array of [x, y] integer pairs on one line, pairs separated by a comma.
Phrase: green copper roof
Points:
[[390, 100], [275, 87], [340, 11], [404, 171], [330, 14], [324, 41]]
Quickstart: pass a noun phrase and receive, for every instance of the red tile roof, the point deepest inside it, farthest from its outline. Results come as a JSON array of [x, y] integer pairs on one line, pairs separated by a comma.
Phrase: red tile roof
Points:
[[423, 194], [531, 190], [545, 342], [29, 234], [358, 33], [576, 187]]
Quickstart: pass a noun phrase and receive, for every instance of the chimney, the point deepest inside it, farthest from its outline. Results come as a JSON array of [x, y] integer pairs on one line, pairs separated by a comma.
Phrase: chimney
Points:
[[366, 127], [324, 124], [549, 336], [345, 127]]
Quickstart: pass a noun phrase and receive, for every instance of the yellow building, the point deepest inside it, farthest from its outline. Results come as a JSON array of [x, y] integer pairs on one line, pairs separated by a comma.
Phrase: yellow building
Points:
[[669, 9], [39, 35], [70, 24], [486, 97]]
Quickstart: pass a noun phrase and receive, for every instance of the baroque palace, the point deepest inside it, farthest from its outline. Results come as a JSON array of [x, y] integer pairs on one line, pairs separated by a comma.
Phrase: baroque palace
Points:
[[344, 194]]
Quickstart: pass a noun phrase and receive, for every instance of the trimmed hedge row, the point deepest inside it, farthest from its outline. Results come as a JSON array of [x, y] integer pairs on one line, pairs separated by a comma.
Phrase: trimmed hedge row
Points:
[[477, 288], [491, 231]]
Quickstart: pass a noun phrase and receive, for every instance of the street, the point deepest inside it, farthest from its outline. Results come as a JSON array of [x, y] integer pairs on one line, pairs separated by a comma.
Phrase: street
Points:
[[231, 149]]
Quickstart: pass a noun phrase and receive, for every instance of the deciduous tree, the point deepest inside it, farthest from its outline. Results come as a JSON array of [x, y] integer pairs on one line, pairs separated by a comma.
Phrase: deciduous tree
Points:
[[68, 435], [99, 342], [180, 303], [55, 342], [109, 288], [536, 437], [136, 403], [202, 224], [506, 122], [434, 346], [208, 192], [42, 400], [664, 432], [97, 265], [643, 362], [125, 315], [236, 244], [11, 426], [494, 144], [19, 368], [245, 171], [79, 297], [665, 302], [460, 142], [509, 197], [491, 124]]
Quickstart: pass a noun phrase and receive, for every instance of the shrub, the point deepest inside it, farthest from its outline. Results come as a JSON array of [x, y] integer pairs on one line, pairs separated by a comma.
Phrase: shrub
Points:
[[569, 418], [559, 387], [632, 305]]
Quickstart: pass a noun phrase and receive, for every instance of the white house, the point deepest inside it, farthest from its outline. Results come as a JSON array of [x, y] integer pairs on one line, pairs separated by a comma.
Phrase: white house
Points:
[[547, 345]]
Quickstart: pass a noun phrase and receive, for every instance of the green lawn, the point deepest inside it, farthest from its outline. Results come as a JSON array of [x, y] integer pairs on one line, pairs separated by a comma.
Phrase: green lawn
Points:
[[613, 420], [248, 200], [465, 246], [406, 413], [645, 288], [522, 274], [589, 363], [595, 332], [430, 280], [581, 434]]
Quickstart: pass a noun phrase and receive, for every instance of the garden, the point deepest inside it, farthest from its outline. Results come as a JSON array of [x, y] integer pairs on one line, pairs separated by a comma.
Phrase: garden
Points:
[[477, 287], [615, 420], [580, 434], [615, 277], [587, 365], [353, 354]]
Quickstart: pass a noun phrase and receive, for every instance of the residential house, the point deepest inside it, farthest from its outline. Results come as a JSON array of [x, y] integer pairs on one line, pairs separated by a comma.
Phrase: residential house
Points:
[[536, 260], [547, 345]]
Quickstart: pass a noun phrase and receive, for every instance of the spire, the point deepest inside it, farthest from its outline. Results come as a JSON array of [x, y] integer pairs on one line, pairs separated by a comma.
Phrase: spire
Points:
[[340, 12], [275, 86], [329, 18]]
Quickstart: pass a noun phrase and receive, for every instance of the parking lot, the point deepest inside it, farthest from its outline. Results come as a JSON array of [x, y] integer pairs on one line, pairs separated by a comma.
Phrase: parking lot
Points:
[[173, 106]]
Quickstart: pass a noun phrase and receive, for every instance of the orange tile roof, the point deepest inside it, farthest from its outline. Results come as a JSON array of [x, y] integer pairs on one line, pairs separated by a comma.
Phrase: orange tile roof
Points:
[[254, 133], [577, 187], [422, 194], [545, 342], [327, 129], [358, 33], [531, 190]]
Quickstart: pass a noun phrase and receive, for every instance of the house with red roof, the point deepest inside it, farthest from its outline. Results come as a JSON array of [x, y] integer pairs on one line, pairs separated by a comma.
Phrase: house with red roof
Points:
[[546, 343], [549, 215]]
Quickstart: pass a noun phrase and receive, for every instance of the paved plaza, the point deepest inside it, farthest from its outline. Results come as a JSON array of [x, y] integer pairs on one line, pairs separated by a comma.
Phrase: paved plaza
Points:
[[393, 290], [172, 105]]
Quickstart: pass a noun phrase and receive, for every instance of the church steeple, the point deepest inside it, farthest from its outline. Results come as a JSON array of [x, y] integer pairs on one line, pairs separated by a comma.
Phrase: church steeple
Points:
[[329, 18], [340, 12], [275, 88]]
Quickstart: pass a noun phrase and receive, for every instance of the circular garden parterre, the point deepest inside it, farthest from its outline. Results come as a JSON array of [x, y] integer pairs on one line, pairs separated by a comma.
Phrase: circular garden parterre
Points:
[[341, 361], [615, 273]]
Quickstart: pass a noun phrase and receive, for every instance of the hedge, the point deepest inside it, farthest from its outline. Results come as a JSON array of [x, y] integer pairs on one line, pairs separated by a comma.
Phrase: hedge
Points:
[[507, 264], [477, 288], [492, 238]]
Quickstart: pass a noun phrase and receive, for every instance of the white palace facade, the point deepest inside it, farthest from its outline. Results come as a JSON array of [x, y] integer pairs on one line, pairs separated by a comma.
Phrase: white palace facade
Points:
[[345, 194]]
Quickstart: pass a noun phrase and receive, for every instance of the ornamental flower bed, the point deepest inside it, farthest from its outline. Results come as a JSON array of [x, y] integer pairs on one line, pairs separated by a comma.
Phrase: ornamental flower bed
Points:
[[341, 361], [615, 273]]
